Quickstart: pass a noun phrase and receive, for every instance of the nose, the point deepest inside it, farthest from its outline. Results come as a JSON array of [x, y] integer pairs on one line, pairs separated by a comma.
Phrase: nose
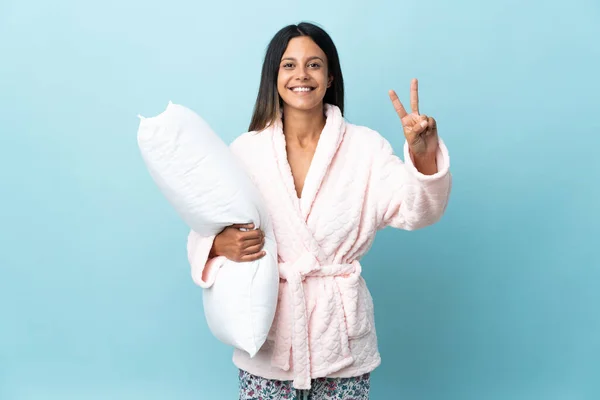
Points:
[[302, 74]]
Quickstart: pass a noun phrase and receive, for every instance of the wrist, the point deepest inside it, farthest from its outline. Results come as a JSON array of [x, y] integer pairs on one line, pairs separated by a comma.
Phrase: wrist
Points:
[[422, 156], [213, 250], [425, 163]]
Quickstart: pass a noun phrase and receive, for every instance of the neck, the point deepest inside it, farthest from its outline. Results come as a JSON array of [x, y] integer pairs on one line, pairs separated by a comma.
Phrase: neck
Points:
[[303, 126]]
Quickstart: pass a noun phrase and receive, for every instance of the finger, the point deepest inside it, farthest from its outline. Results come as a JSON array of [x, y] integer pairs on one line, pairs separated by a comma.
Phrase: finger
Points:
[[414, 96], [431, 126], [420, 126], [251, 235], [397, 104], [253, 257], [254, 242], [253, 249]]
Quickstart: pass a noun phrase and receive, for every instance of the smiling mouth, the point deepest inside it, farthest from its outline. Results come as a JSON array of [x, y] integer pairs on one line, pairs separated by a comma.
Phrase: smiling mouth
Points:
[[302, 89]]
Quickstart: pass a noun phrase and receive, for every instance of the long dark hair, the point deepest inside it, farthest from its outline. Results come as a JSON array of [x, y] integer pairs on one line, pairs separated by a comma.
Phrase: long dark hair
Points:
[[268, 104]]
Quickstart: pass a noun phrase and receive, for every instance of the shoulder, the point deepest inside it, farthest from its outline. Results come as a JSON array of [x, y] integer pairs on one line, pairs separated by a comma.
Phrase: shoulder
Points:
[[363, 137], [250, 147], [244, 139], [247, 141]]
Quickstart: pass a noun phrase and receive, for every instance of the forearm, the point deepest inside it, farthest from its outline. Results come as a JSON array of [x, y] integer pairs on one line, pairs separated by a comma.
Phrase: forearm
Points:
[[415, 194]]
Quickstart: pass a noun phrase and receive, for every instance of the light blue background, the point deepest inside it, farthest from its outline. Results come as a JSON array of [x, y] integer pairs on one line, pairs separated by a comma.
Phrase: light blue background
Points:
[[498, 301]]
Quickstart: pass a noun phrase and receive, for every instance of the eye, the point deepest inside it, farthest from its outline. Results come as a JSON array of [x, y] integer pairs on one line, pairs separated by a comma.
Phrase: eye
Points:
[[288, 65], [314, 65]]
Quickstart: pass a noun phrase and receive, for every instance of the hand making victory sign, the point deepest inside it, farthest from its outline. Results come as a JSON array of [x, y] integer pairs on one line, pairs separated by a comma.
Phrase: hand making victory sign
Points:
[[419, 129]]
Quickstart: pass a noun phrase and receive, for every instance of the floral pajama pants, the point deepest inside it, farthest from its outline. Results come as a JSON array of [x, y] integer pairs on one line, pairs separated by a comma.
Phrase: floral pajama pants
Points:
[[256, 388]]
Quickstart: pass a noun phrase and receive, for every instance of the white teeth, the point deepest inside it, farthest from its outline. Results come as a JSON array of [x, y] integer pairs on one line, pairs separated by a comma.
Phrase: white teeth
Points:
[[302, 89]]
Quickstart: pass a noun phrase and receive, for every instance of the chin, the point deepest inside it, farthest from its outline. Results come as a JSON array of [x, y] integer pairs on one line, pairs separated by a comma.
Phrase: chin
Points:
[[303, 105]]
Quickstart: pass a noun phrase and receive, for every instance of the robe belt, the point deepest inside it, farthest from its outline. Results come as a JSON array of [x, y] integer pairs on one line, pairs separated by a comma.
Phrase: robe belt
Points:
[[292, 336]]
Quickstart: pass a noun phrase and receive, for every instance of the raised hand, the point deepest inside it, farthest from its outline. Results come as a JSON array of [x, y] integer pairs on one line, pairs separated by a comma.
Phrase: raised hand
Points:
[[419, 129]]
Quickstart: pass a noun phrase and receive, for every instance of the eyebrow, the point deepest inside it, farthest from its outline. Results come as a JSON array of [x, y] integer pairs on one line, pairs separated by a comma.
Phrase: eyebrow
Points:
[[310, 59]]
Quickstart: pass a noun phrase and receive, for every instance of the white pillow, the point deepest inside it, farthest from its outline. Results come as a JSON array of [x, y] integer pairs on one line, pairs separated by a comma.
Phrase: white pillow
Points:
[[197, 173]]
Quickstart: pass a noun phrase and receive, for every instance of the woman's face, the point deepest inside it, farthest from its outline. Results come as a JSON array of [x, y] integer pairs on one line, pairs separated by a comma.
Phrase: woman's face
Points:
[[303, 77]]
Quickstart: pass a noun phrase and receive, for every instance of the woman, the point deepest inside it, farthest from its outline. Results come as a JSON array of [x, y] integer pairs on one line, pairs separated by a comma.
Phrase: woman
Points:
[[329, 186]]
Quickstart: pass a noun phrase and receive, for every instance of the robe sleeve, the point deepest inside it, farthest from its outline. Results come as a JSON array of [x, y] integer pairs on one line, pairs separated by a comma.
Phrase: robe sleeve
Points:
[[204, 269], [406, 198]]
